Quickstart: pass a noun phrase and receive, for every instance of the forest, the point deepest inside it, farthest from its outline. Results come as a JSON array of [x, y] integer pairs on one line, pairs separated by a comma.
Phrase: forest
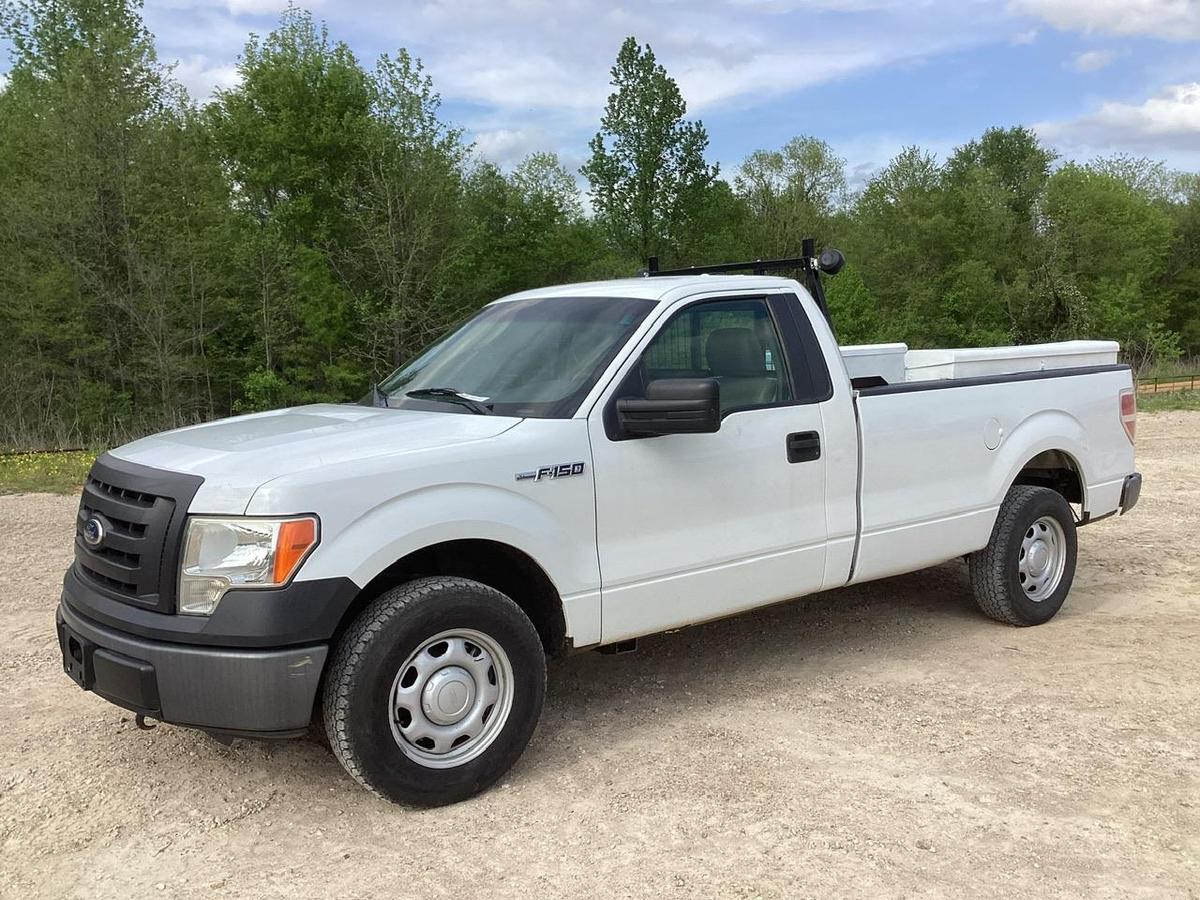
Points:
[[166, 259]]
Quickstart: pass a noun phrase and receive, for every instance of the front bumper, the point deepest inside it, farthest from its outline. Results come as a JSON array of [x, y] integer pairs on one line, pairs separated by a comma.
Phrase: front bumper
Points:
[[303, 612], [260, 693]]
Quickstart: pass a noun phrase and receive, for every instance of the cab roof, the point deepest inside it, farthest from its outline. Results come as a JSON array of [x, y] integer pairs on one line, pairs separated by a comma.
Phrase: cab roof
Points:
[[657, 288]]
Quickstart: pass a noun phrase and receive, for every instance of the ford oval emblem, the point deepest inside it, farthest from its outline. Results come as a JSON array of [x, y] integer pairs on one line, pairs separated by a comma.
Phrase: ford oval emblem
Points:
[[93, 532]]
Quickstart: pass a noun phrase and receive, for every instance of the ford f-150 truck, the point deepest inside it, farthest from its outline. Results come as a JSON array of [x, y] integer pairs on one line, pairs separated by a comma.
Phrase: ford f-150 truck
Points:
[[573, 467]]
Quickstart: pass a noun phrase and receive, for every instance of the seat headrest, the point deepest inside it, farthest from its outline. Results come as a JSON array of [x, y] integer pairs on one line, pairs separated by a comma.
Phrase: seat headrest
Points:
[[734, 351]]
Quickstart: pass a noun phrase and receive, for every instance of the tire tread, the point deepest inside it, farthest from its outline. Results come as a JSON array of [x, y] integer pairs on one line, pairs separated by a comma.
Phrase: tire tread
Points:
[[340, 680], [989, 566]]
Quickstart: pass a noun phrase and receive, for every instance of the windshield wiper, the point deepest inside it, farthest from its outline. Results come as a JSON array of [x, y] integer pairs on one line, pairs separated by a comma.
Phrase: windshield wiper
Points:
[[474, 404], [378, 397]]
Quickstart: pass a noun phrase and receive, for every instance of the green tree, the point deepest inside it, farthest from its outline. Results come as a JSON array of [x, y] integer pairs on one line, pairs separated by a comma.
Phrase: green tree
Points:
[[1182, 279], [898, 242], [404, 215], [1148, 177], [1014, 158], [1115, 242], [292, 136], [104, 182], [852, 309], [994, 187], [1177, 194], [955, 252], [316, 225], [791, 194], [547, 186], [526, 229], [649, 180], [555, 243]]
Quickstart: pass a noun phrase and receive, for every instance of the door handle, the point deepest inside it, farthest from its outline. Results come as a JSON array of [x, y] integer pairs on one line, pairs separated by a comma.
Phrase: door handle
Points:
[[803, 446]]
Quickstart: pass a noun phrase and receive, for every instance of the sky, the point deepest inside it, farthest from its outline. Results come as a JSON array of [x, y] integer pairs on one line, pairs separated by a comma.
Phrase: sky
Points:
[[1093, 77]]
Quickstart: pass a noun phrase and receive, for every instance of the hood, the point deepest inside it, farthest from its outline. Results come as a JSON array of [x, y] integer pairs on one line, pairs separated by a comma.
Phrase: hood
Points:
[[236, 456]]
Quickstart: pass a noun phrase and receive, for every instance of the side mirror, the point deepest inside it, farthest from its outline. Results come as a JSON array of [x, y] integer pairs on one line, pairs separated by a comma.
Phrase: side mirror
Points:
[[673, 406]]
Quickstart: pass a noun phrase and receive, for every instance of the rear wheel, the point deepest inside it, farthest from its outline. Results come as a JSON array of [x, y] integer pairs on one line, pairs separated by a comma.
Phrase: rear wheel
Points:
[[434, 691], [1023, 575]]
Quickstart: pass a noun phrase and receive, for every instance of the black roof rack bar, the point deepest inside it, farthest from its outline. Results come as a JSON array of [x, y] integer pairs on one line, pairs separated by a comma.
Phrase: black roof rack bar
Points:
[[758, 266], [807, 263]]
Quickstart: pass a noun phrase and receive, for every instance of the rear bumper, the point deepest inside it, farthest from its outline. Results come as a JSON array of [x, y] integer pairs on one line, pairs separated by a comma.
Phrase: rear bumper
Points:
[[1131, 491], [260, 693]]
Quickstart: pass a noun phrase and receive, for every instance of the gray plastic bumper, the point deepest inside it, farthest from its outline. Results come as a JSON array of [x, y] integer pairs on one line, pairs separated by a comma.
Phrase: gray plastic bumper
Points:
[[1131, 491], [266, 693]]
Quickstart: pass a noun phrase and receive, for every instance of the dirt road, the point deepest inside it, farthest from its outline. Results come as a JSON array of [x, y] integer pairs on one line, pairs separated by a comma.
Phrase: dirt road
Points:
[[882, 740]]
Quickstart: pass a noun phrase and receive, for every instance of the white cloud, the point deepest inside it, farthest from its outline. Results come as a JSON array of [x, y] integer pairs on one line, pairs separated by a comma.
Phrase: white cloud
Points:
[[770, 73], [1092, 60], [1177, 20], [3, 81], [492, 76], [520, 55], [1169, 120], [866, 155], [196, 27], [508, 146], [263, 7], [521, 75], [516, 72], [235, 7], [202, 76]]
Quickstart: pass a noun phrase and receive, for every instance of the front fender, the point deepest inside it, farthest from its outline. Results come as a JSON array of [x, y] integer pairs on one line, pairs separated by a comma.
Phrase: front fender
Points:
[[449, 512], [377, 511]]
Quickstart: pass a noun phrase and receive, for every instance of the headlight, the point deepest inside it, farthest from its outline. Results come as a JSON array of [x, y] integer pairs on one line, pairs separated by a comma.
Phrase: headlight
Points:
[[219, 554]]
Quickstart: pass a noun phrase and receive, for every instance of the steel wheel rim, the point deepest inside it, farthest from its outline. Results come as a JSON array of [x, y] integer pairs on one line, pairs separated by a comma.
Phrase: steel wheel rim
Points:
[[451, 698], [1042, 558]]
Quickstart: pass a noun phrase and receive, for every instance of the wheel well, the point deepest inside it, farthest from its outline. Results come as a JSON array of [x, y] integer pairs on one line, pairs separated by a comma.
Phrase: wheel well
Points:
[[1056, 470], [497, 565]]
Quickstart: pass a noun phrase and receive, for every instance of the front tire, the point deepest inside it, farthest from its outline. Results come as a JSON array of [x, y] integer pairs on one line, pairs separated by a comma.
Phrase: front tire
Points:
[[1023, 575], [434, 691]]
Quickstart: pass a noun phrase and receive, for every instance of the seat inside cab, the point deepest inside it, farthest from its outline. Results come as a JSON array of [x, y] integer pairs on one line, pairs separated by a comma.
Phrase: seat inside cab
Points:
[[738, 360]]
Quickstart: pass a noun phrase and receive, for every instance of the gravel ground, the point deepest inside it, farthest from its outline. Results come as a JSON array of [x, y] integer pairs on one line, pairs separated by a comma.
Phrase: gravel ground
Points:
[[884, 739]]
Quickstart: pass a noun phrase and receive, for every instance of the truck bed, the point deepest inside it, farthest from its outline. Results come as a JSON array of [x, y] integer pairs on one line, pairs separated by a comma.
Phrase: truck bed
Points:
[[938, 454], [873, 365]]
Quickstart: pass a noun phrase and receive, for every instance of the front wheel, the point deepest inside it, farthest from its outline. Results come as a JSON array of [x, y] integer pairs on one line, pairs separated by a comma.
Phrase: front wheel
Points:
[[434, 691], [1023, 575]]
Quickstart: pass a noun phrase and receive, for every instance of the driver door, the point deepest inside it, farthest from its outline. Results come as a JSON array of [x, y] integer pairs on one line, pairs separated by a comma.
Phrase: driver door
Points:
[[698, 526]]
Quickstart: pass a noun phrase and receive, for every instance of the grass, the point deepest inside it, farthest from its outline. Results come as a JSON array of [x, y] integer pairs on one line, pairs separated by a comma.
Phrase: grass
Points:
[[56, 471], [1187, 366], [1168, 400]]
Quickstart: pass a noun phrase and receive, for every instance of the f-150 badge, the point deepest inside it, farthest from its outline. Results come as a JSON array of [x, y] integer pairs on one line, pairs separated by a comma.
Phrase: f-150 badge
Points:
[[562, 470]]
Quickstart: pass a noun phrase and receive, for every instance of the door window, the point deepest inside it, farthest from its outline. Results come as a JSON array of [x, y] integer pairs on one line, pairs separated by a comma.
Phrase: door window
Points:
[[733, 341]]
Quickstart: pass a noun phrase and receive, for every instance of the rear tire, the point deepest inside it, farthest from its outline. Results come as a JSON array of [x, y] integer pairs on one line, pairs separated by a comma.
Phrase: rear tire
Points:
[[434, 691], [1023, 576]]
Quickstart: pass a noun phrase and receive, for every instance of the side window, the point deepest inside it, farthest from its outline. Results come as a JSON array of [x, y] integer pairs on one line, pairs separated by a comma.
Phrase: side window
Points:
[[734, 341]]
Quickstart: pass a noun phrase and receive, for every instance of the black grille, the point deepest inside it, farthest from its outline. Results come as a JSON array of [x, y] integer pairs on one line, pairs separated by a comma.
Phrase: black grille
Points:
[[136, 497], [141, 512]]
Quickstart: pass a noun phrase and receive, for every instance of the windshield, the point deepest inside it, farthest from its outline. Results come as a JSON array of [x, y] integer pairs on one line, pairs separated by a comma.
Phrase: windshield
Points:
[[536, 357]]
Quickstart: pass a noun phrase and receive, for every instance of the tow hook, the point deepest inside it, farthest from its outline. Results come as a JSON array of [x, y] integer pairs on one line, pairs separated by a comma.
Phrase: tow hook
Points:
[[140, 721]]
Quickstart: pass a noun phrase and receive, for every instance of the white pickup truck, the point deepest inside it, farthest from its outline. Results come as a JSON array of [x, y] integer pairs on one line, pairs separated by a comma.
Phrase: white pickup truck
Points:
[[573, 467]]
